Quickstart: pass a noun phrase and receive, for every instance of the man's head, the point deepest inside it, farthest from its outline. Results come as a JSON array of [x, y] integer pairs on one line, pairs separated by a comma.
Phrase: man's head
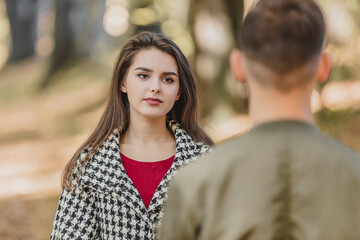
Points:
[[282, 44]]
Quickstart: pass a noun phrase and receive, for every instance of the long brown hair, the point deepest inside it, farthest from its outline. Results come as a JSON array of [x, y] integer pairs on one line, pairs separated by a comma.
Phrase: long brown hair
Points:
[[116, 115]]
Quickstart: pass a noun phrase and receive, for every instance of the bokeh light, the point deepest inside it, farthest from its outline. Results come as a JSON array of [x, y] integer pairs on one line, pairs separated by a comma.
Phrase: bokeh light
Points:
[[352, 5], [4, 28], [207, 67], [341, 95], [341, 26], [316, 104], [172, 28], [4, 34], [185, 43], [143, 16], [110, 3], [212, 33], [4, 53], [45, 45], [116, 20], [2, 8]]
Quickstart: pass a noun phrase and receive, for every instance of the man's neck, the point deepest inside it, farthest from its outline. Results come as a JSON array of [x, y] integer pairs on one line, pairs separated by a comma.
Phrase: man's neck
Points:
[[267, 105]]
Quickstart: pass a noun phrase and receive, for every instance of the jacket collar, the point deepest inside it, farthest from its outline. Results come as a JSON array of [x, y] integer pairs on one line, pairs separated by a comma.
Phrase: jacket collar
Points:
[[105, 173]]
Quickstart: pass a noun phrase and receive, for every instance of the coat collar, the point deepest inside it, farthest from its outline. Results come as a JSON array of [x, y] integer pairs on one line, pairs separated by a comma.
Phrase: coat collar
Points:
[[105, 173]]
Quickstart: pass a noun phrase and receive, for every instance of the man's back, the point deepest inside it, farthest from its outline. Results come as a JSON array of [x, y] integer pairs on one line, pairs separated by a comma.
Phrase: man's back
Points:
[[282, 180]]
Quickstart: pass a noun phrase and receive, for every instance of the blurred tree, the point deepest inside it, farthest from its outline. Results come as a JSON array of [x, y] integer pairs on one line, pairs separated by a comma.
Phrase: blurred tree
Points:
[[23, 19], [78, 25], [215, 29]]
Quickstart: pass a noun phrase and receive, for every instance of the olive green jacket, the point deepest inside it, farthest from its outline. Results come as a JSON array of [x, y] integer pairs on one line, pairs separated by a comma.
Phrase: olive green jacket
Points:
[[281, 180]]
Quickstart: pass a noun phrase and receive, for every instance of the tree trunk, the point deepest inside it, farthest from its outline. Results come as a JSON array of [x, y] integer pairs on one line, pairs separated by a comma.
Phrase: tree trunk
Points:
[[23, 20], [216, 91], [236, 14], [78, 25], [64, 35]]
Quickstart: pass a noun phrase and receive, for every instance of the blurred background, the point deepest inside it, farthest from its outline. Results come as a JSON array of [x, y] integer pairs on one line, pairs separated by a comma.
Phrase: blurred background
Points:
[[56, 61]]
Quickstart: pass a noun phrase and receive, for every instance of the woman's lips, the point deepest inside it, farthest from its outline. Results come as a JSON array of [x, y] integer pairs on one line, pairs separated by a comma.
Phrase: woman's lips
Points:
[[153, 101]]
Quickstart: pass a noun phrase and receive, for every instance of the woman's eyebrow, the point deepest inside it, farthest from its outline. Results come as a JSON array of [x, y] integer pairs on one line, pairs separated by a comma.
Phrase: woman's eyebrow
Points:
[[149, 70], [144, 69], [170, 73]]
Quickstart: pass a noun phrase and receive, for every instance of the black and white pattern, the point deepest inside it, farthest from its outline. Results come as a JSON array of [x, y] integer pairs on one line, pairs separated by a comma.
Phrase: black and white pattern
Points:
[[106, 204]]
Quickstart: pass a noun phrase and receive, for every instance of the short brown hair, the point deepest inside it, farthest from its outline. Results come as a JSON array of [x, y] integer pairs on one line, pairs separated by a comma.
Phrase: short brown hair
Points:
[[283, 35]]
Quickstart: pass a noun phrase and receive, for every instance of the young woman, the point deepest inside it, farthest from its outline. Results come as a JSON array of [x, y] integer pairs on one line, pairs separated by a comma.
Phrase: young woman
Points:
[[115, 185]]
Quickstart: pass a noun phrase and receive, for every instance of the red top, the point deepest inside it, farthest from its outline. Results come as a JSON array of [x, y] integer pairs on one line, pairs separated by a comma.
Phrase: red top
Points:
[[146, 176]]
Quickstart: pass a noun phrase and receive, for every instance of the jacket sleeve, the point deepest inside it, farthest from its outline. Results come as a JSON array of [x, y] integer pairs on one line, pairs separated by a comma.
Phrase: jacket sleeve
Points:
[[76, 216], [181, 219]]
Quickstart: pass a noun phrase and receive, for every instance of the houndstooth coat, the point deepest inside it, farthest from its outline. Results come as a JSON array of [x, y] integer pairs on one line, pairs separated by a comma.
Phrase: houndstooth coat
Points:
[[106, 204]]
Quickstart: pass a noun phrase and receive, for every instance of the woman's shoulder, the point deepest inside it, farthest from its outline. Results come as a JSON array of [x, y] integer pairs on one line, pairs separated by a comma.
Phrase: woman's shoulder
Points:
[[80, 166], [203, 148], [186, 142], [92, 166]]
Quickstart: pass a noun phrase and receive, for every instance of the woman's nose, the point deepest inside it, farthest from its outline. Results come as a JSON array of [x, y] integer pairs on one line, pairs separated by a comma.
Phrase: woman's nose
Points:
[[155, 85]]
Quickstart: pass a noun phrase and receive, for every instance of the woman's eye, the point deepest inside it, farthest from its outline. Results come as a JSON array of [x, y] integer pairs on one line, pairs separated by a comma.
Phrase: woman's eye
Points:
[[142, 75], [169, 80]]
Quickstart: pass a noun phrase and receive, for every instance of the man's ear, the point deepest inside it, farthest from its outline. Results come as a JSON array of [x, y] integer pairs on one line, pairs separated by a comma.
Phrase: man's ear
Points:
[[324, 68], [237, 65], [123, 87]]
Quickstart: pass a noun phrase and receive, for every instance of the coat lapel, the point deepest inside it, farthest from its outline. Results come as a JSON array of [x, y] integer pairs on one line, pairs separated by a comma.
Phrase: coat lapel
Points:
[[105, 173]]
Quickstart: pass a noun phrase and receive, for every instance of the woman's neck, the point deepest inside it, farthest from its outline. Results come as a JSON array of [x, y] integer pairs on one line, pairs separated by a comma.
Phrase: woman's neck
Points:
[[147, 130], [148, 140]]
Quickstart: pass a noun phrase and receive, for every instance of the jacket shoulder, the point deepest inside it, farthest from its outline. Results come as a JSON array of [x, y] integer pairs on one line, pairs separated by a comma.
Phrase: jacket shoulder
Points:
[[101, 170]]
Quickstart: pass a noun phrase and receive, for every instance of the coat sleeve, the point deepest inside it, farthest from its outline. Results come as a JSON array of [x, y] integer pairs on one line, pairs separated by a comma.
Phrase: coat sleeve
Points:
[[76, 216]]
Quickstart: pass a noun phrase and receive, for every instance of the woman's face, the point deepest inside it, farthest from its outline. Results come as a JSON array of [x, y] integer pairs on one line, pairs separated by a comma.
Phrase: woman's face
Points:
[[152, 84]]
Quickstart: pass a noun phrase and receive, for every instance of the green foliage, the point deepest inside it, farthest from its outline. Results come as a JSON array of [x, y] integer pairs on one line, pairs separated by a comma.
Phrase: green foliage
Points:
[[343, 72]]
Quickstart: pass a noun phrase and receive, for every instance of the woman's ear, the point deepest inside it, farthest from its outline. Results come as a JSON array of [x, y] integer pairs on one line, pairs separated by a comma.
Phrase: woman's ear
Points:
[[177, 96], [324, 68], [123, 87], [237, 65]]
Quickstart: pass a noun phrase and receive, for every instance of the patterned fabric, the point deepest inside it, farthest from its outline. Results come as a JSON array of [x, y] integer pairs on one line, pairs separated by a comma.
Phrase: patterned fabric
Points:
[[106, 204]]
